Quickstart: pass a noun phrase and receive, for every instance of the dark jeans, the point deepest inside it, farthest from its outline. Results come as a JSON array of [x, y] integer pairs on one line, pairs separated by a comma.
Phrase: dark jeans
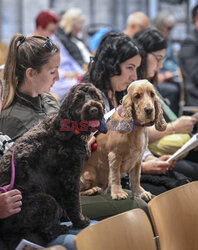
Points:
[[188, 168]]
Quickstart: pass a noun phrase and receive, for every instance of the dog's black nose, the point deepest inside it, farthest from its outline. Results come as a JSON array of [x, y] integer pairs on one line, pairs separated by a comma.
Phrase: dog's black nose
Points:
[[148, 111], [93, 111]]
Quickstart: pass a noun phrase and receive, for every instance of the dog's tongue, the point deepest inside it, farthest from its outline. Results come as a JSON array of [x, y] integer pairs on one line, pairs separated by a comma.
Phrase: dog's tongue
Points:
[[94, 124]]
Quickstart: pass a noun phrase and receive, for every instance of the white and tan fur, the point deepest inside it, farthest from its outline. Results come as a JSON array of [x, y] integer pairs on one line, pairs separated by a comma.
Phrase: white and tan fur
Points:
[[121, 151]]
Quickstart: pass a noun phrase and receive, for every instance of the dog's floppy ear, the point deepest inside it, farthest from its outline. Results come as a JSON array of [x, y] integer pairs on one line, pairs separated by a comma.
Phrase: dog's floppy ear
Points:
[[160, 123], [127, 108]]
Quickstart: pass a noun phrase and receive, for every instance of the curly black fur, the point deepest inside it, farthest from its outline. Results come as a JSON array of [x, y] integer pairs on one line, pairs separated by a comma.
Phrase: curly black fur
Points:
[[48, 165]]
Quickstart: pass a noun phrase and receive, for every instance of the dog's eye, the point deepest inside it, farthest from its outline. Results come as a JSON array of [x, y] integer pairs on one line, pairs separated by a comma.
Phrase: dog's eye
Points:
[[152, 94], [137, 96]]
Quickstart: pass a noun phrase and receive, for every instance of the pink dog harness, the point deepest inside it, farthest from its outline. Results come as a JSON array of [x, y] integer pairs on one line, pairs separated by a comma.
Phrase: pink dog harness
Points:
[[4, 189]]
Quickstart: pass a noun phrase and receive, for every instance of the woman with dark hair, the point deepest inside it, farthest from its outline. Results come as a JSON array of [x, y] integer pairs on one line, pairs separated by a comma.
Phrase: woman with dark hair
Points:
[[154, 45], [111, 70], [114, 67]]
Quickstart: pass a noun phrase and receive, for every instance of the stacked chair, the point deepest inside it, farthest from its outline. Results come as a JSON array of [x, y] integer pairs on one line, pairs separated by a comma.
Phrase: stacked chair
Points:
[[173, 222], [174, 215], [128, 230]]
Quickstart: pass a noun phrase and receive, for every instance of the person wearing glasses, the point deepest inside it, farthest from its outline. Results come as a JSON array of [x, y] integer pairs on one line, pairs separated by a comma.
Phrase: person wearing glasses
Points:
[[30, 71], [75, 54], [154, 46]]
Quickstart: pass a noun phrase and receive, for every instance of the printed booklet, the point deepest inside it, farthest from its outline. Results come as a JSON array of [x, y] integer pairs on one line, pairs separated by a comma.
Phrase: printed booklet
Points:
[[192, 143]]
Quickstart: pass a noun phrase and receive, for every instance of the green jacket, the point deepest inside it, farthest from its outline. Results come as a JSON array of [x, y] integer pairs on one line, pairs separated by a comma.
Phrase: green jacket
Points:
[[26, 112]]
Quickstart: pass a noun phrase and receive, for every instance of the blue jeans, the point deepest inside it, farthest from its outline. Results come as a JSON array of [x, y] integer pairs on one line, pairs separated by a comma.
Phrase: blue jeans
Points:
[[67, 240]]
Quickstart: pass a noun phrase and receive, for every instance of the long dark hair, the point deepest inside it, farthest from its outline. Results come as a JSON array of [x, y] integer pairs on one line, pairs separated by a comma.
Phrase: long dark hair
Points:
[[114, 49], [151, 40]]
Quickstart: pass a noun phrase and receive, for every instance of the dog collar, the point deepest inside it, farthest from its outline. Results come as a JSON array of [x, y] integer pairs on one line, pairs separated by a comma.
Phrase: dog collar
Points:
[[148, 124]]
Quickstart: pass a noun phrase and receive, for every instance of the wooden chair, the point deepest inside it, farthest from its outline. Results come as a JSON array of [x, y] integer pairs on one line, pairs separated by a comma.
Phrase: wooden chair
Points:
[[128, 230], [174, 215]]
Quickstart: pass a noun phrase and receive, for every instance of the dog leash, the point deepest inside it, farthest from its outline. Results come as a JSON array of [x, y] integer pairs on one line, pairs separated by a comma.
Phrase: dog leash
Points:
[[4, 189]]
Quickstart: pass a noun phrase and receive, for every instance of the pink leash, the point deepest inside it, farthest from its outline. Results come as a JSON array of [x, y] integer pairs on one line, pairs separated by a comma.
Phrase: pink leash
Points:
[[3, 189]]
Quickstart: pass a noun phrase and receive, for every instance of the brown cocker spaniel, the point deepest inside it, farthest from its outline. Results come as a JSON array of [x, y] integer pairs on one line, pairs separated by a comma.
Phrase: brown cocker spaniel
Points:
[[122, 148]]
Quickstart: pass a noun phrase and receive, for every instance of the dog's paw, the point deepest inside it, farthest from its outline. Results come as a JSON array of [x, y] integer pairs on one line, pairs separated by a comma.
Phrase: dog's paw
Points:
[[147, 196], [119, 195], [92, 191], [81, 223]]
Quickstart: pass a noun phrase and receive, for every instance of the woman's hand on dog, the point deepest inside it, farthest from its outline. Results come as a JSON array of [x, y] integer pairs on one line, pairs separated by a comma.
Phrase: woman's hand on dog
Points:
[[153, 165], [90, 141], [10, 203]]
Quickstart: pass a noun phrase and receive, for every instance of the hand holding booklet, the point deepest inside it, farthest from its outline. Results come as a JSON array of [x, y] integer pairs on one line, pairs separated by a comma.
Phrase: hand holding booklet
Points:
[[192, 143]]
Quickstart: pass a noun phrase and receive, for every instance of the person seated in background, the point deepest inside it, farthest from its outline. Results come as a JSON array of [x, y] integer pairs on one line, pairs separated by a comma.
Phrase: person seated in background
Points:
[[31, 68], [154, 45], [95, 39], [70, 72], [168, 79], [70, 33], [135, 22], [46, 23], [188, 61], [75, 55]]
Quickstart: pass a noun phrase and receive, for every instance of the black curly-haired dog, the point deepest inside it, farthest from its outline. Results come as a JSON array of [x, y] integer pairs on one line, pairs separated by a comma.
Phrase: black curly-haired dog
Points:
[[48, 161]]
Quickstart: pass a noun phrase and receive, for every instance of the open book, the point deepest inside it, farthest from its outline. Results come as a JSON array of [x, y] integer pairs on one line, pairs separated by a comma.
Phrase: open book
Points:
[[192, 143]]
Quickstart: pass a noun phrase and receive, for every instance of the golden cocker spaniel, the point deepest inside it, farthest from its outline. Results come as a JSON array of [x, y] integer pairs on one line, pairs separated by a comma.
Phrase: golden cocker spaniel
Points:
[[122, 148]]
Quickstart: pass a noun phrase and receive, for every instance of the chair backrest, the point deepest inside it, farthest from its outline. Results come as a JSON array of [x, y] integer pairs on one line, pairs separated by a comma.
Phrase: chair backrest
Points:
[[174, 215], [129, 230]]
